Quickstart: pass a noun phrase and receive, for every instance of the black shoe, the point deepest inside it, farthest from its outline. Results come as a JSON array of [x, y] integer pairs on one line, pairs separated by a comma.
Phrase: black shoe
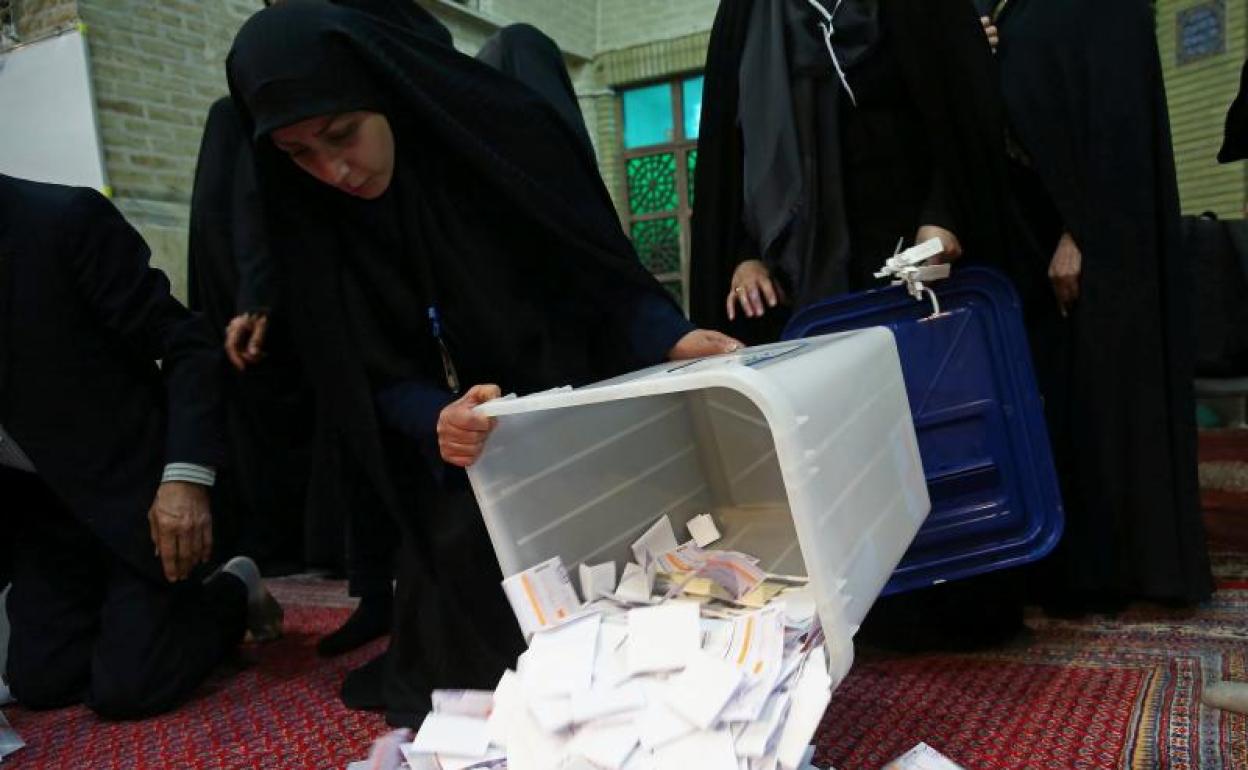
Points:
[[371, 620], [362, 690], [410, 719]]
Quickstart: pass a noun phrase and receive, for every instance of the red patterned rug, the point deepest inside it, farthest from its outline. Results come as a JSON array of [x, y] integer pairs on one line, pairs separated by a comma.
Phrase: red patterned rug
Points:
[[1101, 692], [1097, 693], [280, 711]]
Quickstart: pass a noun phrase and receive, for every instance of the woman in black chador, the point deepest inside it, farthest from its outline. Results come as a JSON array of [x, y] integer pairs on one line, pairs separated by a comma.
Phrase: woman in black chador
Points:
[[1109, 313], [832, 131], [444, 236]]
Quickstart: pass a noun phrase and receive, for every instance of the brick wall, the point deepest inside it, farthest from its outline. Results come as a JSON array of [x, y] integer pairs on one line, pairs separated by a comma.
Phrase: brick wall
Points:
[[625, 23], [1200, 91], [157, 65]]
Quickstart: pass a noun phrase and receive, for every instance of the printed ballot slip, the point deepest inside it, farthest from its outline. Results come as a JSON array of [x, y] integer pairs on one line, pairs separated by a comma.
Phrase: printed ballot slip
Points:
[[542, 596]]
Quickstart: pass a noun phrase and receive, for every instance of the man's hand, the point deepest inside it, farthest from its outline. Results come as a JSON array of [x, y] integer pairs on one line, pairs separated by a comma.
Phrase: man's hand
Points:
[[991, 31], [701, 343], [461, 431], [952, 246], [244, 339], [1065, 271], [181, 527]]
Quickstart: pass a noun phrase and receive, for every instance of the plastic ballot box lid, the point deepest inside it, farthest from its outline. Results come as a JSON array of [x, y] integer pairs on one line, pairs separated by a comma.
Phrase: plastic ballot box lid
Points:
[[979, 418], [803, 452]]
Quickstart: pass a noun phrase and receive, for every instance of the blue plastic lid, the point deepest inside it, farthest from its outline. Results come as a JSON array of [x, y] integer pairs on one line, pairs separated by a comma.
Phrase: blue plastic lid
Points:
[[979, 417]]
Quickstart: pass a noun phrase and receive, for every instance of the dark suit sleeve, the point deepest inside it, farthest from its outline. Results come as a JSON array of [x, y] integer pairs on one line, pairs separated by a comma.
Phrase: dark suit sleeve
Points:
[[108, 261]]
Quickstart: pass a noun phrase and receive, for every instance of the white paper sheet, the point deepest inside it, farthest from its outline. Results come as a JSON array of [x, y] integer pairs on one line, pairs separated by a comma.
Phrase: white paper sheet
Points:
[[560, 661], [922, 757], [811, 695], [662, 638], [757, 738], [658, 725], [700, 692], [637, 583], [701, 750], [447, 734], [607, 701], [542, 596], [703, 530], [463, 703], [656, 541], [607, 746], [597, 581]]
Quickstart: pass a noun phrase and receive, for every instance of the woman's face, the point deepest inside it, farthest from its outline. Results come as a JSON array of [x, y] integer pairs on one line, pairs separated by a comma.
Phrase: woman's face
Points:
[[352, 151]]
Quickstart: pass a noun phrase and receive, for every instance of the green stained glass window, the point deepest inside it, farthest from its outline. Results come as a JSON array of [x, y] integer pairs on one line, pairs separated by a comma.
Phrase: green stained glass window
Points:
[[658, 244], [648, 116], [691, 97], [652, 184], [691, 163]]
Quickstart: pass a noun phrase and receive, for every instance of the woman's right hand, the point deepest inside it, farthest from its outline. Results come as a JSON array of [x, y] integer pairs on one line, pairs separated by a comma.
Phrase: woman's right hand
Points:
[[461, 431], [1065, 272], [751, 286]]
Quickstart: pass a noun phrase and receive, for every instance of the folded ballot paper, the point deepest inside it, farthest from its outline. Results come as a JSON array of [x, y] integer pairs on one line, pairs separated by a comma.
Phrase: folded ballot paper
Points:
[[673, 669], [10, 742]]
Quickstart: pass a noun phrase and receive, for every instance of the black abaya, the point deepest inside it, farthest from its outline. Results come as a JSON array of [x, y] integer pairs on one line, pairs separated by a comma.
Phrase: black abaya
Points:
[[1086, 101], [260, 494], [922, 145], [498, 220]]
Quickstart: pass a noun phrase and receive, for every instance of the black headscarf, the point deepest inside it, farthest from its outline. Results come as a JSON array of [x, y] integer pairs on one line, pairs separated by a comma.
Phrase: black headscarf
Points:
[[527, 54], [1235, 139], [495, 215]]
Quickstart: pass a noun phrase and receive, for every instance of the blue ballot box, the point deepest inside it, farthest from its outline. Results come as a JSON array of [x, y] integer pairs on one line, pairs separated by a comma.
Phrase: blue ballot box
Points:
[[979, 419]]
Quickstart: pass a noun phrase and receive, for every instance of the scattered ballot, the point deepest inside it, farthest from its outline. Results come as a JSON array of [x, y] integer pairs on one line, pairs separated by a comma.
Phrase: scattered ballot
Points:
[[598, 581], [541, 597], [922, 757], [703, 530], [656, 541], [10, 742], [637, 584]]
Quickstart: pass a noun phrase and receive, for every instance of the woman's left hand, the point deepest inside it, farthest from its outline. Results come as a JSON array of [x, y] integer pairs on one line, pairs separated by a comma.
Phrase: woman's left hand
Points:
[[701, 343], [991, 31], [461, 431], [952, 246]]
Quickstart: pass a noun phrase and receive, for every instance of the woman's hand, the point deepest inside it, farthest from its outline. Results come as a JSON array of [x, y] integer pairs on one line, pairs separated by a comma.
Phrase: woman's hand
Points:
[[701, 343], [461, 431], [991, 31], [751, 287], [952, 246], [244, 339], [1065, 271]]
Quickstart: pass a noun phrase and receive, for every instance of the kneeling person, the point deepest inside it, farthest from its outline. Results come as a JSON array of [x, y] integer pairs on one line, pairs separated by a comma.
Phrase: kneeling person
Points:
[[106, 460]]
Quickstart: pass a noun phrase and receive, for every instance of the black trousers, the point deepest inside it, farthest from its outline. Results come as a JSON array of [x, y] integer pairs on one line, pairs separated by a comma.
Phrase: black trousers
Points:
[[86, 627]]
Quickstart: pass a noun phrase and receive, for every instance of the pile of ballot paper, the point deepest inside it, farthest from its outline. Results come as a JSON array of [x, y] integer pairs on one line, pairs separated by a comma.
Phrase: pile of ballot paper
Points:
[[695, 658]]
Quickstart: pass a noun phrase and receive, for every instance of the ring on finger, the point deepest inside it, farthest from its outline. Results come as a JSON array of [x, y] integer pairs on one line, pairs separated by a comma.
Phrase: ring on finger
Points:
[[739, 289]]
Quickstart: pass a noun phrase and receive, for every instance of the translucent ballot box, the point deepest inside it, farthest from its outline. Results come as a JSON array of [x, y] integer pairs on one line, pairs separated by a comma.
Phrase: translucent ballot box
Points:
[[804, 453]]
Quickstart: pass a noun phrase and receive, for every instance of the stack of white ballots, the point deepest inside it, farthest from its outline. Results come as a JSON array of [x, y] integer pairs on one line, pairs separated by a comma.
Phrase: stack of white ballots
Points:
[[660, 683]]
